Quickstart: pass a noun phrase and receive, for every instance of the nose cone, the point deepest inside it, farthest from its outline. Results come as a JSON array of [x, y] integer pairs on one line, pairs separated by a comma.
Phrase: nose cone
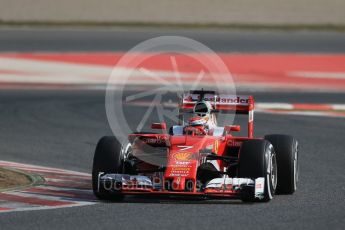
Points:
[[182, 166]]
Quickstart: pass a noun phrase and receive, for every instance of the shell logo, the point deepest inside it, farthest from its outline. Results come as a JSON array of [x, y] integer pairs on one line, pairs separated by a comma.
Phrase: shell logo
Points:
[[183, 156]]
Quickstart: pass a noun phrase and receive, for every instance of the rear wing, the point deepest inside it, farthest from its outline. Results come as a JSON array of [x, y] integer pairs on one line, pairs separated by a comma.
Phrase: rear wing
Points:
[[220, 102], [239, 104]]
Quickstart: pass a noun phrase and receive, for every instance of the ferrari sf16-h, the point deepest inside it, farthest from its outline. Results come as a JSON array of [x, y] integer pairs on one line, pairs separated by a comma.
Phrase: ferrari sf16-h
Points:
[[198, 158]]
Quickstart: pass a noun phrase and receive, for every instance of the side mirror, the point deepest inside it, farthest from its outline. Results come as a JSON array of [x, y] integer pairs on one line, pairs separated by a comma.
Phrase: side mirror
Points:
[[159, 126], [232, 128]]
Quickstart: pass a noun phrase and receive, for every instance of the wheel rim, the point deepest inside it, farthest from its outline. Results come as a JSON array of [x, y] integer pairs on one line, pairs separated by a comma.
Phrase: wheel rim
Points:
[[271, 176], [126, 150], [273, 171]]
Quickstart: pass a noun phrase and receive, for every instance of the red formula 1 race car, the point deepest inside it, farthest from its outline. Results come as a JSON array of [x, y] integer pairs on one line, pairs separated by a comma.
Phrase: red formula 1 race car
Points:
[[197, 157]]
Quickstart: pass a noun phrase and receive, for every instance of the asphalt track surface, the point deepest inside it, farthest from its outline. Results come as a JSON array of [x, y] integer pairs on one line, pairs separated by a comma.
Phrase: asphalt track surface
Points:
[[60, 128], [122, 39]]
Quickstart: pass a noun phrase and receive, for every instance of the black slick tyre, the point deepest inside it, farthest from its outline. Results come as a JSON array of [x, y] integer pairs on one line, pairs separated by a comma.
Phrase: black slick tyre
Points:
[[286, 148], [108, 158], [257, 159]]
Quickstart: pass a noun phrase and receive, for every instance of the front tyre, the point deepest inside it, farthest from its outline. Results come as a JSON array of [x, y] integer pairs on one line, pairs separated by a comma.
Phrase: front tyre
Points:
[[258, 159], [286, 148], [108, 158]]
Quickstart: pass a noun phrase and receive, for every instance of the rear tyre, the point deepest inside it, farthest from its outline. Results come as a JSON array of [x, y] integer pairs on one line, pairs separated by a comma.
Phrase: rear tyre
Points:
[[108, 158], [258, 159], [286, 148]]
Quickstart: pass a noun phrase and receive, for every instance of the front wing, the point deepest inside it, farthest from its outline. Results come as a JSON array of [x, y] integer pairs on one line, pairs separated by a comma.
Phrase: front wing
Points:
[[224, 187]]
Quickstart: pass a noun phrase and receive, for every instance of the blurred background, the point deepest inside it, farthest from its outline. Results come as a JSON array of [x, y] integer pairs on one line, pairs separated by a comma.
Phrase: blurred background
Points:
[[313, 13], [56, 58]]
